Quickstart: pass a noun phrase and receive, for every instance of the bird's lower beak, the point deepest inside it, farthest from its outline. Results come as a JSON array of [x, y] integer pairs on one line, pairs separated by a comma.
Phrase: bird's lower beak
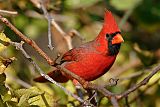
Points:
[[117, 39]]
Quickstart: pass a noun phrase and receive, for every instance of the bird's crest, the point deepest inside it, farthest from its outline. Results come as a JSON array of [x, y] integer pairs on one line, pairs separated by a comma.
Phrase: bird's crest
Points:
[[110, 25]]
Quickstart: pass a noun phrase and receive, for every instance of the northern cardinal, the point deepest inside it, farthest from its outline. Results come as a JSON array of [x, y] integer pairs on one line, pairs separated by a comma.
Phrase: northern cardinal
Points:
[[92, 59]]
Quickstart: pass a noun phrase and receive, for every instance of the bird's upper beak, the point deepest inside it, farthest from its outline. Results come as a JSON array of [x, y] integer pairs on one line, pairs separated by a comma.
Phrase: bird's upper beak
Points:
[[117, 39]]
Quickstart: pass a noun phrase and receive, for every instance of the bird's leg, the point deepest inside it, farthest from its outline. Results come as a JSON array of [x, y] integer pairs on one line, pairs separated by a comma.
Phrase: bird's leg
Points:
[[92, 100], [78, 88], [79, 92], [92, 95]]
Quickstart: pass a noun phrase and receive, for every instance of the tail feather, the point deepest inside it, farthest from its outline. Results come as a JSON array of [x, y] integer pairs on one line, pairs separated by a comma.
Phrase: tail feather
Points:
[[55, 75]]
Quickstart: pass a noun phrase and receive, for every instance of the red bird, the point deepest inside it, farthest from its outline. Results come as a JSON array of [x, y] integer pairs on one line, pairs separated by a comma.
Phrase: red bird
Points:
[[92, 59]]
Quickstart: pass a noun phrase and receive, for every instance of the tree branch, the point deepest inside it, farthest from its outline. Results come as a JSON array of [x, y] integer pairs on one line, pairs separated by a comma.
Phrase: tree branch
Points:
[[6, 12], [27, 40], [114, 102], [20, 47], [143, 82], [48, 17]]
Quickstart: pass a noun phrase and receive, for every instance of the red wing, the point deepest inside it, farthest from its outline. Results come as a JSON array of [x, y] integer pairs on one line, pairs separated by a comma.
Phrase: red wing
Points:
[[68, 56], [76, 53]]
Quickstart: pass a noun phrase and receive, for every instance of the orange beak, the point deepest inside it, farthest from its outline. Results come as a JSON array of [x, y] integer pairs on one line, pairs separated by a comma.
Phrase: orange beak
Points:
[[117, 39]]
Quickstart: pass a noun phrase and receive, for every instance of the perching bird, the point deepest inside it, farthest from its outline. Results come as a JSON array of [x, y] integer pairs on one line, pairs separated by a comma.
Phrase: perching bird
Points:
[[92, 59]]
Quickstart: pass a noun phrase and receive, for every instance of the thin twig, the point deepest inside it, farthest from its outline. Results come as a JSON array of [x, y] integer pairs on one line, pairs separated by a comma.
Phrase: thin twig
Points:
[[114, 102], [36, 3], [146, 89], [7, 12], [48, 17], [20, 82], [62, 40], [143, 82], [121, 69], [93, 96], [20, 47], [127, 103], [44, 100], [134, 75], [27, 40]]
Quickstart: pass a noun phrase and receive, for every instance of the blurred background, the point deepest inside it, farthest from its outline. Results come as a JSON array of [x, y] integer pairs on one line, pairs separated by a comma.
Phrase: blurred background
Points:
[[139, 21]]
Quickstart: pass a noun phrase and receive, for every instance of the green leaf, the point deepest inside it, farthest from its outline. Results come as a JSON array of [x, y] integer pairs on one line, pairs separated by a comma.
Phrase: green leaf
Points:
[[7, 97], [26, 94], [33, 97], [31, 92], [2, 47], [23, 102], [4, 38], [44, 100]]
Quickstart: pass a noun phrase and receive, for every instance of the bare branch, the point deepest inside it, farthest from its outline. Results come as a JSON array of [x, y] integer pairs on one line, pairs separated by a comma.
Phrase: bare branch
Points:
[[143, 82], [62, 42], [19, 81], [6, 12], [114, 102], [35, 46], [147, 88], [27, 40], [48, 17], [20, 47], [36, 3]]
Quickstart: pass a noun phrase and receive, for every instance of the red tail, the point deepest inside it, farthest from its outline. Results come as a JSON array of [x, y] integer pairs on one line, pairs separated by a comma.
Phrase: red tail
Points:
[[55, 75]]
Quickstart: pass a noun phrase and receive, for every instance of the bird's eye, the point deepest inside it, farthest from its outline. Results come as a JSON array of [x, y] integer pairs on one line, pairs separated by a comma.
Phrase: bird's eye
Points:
[[107, 35]]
